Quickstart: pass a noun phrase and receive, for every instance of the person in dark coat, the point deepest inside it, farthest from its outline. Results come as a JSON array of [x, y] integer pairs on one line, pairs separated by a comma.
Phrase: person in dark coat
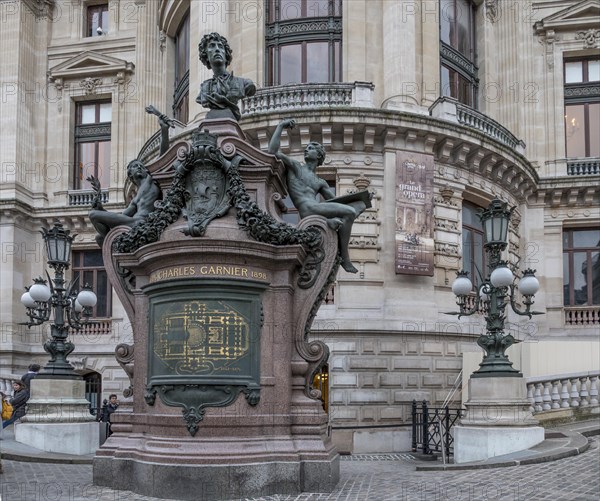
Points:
[[32, 372], [18, 402]]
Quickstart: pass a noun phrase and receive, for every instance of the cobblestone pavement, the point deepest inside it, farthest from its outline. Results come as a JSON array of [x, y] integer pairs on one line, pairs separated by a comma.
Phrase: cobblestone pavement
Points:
[[364, 478]]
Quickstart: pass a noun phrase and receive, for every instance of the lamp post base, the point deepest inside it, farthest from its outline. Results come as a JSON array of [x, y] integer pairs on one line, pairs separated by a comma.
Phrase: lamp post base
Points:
[[498, 420], [58, 418]]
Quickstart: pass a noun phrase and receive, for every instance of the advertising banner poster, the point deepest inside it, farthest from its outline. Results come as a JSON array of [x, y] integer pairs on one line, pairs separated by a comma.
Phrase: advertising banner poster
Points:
[[414, 214]]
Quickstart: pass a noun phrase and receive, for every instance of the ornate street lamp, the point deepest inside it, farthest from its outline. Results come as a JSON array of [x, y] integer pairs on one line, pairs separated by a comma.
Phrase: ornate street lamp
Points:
[[497, 290], [68, 307]]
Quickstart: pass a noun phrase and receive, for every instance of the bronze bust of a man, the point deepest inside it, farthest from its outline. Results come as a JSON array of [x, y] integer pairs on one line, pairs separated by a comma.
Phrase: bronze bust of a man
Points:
[[222, 92]]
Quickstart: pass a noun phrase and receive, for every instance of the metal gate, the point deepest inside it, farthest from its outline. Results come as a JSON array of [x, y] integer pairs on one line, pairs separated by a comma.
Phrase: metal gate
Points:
[[432, 428]]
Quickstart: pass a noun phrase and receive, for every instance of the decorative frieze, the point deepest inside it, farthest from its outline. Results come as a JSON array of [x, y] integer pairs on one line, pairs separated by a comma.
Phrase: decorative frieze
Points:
[[590, 37]]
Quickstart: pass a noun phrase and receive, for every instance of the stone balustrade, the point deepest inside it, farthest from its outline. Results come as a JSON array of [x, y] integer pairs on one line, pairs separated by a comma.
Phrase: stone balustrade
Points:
[[6, 383], [84, 197], [93, 329], [563, 391], [583, 167], [472, 118], [450, 109], [309, 95], [582, 315]]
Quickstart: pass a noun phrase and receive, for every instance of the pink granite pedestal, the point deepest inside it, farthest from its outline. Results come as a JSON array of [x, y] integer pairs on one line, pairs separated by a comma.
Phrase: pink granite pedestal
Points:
[[273, 441]]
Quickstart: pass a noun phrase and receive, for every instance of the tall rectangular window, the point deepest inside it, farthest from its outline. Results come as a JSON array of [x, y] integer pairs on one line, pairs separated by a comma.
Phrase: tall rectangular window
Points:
[[89, 265], [458, 72], [97, 20], [581, 267], [181, 87], [582, 108], [92, 143], [473, 252], [303, 41]]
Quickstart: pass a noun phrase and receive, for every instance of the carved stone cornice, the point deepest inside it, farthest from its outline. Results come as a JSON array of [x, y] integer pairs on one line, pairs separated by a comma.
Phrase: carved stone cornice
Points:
[[451, 145], [580, 16], [570, 192], [89, 64]]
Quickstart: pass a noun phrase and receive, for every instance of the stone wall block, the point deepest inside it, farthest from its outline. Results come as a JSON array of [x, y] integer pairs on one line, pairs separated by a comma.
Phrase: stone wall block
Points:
[[433, 347], [368, 346], [448, 363], [342, 346], [369, 396], [368, 380], [344, 379], [370, 363], [412, 347], [434, 380], [406, 397], [392, 379], [412, 363], [392, 346], [392, 413]]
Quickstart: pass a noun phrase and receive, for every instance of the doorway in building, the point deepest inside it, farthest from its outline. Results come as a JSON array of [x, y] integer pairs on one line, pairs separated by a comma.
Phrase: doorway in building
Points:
[[93, 391], [321, 382]]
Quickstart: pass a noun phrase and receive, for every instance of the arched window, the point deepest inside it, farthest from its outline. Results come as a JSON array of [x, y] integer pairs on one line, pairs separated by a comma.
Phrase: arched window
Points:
[[303, 41]]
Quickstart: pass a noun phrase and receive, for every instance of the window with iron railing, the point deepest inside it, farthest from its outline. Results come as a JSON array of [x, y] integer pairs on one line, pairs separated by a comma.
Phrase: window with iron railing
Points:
[[581, 267], [473, 252], [89, 265], [92, 143], [582, 107], [97, 20], [181, 87], [458, 69], [303, 41]]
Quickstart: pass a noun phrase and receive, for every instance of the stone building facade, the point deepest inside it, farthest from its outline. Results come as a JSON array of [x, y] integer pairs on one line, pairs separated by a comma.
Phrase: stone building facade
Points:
[[497, 98]]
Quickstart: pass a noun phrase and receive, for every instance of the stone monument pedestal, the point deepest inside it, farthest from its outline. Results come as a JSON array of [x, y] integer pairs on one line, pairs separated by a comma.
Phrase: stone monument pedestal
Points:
[[222, 370], [58, 418], [498, 420]]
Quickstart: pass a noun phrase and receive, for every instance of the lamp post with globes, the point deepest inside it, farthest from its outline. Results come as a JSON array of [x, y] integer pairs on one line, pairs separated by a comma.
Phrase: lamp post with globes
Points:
[[68, 307], [495, 293]]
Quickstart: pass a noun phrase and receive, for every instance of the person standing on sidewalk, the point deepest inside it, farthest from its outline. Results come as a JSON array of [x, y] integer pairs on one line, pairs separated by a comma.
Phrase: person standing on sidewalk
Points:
[[32, 371], [18, 402], [108, 408]]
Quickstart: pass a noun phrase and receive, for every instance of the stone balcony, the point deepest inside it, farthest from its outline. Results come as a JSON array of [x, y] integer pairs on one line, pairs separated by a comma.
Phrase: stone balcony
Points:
[[309, 95], [450, 109]]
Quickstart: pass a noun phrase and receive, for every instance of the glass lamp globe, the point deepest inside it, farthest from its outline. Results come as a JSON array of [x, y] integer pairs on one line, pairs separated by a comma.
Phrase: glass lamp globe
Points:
[[40, 292], [484, 296], [501, 277], [77, 306], [529, 285], [87, 298], [462, 285], [28, 301]]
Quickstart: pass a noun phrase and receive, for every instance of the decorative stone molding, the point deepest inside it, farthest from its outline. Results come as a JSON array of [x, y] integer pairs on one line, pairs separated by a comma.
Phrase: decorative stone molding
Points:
[[90, 64], [90, 85], [362, 182], [162, 40], [491, 10], [446, 192], [446, 224], [591, 38], [40, 8]]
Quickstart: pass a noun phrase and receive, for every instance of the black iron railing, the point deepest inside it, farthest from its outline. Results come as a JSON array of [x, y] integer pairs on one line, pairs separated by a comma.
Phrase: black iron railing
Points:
[[432, 428]]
